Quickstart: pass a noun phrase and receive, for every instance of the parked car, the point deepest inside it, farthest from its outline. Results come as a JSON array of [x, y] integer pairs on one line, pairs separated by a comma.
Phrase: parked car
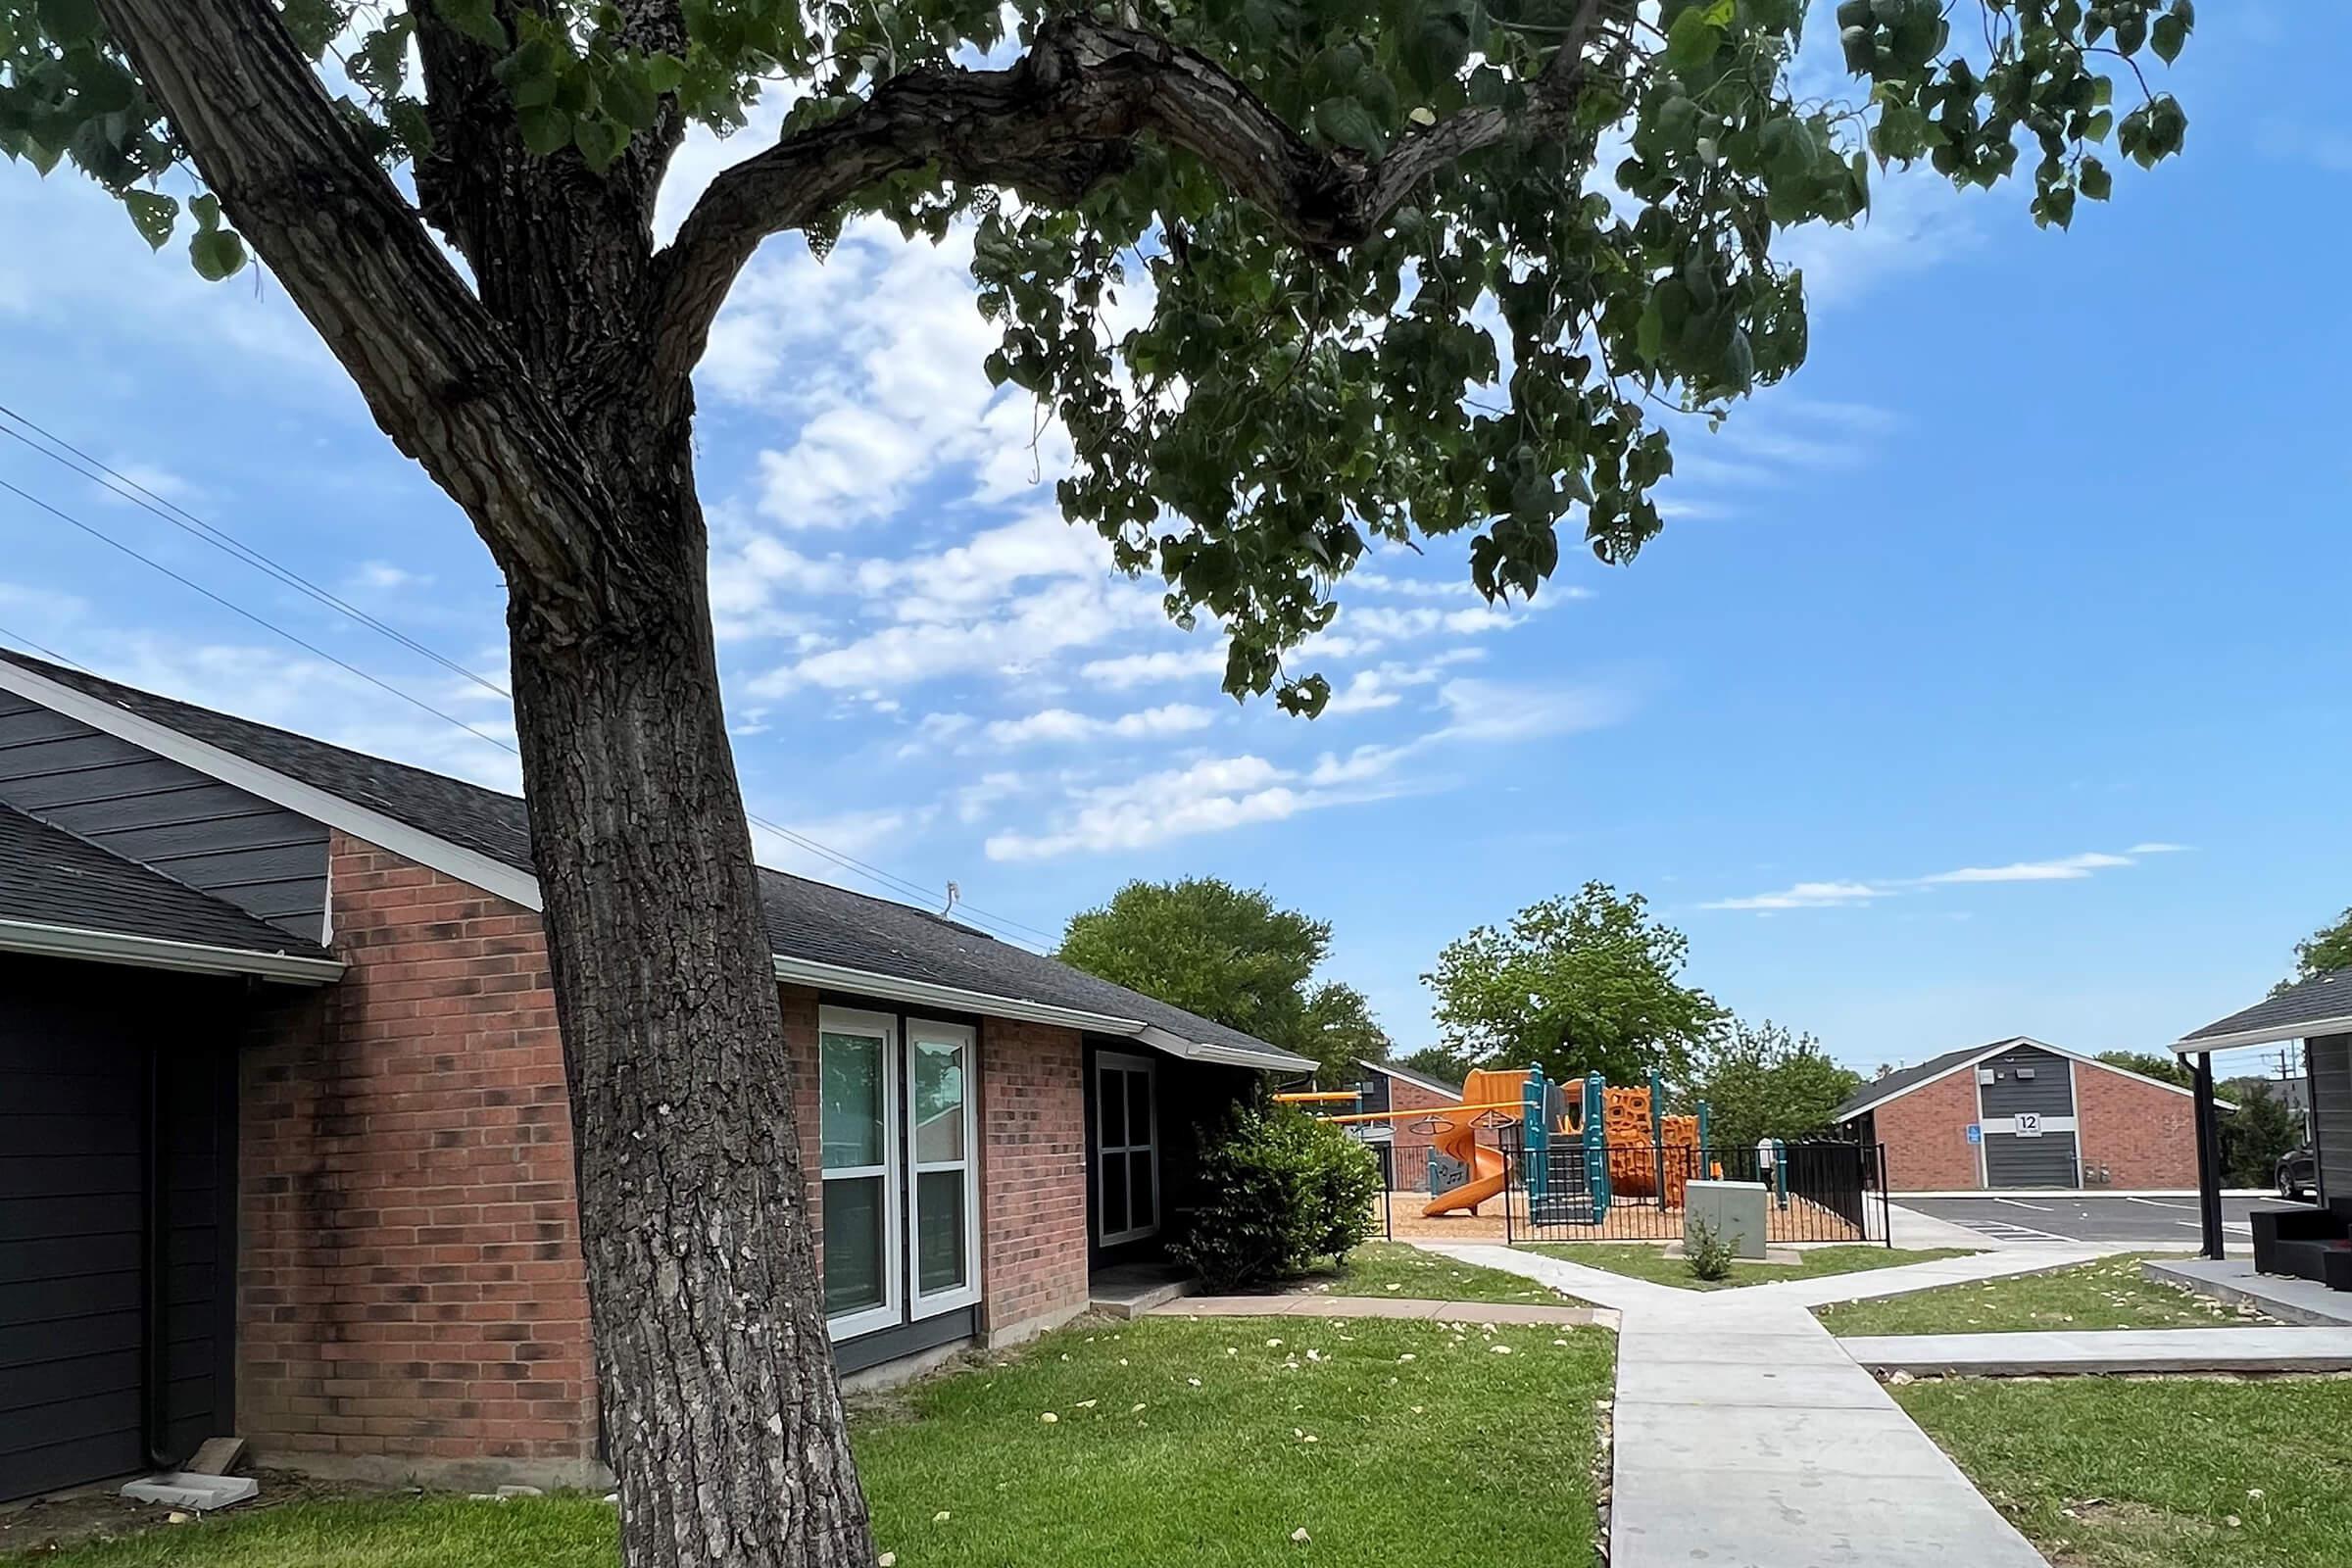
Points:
[[2299, 1174]]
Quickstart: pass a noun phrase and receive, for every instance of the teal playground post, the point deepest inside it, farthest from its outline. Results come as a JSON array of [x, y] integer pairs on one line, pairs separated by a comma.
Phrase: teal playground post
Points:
[[1657, 1133], [1596, 1139], [1535, 1143], [1780, 1171]]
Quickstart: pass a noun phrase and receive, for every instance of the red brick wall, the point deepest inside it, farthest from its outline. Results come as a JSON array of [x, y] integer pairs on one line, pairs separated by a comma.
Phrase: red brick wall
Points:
[[1032, 1176], [409, 1277], [2146, 1136], [1926, 1133]]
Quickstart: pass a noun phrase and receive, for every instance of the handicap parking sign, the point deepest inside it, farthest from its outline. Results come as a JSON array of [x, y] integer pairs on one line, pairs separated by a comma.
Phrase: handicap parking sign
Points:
[[1976, 1132]]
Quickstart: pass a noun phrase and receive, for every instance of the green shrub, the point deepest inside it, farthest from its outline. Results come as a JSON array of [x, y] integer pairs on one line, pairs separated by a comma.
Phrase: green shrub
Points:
[[1705, 1251], [1278, 1190]]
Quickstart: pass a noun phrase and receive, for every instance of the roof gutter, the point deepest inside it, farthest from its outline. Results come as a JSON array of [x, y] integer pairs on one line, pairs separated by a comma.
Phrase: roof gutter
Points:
[[2274, 1033], [159, 953], [932, 994]]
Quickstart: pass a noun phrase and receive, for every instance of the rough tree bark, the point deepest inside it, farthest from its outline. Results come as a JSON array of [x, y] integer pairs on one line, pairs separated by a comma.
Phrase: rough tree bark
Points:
[[551, 402]]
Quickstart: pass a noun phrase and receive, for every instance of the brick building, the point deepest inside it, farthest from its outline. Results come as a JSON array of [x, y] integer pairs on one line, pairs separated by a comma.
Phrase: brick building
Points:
[[1385, 1086], [288, 1150], [2020, 1112]]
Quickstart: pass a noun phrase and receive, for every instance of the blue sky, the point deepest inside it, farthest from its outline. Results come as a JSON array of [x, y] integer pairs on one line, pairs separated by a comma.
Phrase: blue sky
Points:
[[1989, 679]]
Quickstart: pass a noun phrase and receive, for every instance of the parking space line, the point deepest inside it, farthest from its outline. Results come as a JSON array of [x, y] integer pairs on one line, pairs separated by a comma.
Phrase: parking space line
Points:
[[2195, 1225], [2153, 1203], [2037, 1208]]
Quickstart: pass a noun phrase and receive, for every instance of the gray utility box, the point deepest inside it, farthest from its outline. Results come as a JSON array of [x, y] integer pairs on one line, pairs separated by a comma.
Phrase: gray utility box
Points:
[[1734, 1209]]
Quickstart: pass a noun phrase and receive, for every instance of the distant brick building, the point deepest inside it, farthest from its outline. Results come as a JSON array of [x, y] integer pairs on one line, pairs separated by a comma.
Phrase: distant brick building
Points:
[[1385, 1086], [2022, 1112]]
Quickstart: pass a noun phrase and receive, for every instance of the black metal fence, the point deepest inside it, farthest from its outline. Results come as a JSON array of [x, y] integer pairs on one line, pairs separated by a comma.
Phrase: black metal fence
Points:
[[1813, 1191]]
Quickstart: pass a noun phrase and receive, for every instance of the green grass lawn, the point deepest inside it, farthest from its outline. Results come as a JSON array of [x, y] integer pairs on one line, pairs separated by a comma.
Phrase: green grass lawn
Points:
[[1395, 1268], [2110, 1294], [2163, 1473], [1173, 1441], [1649, 1262]]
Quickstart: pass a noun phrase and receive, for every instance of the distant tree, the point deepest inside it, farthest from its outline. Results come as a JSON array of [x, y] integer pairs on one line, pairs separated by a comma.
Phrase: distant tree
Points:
[[1231, 954], [2328, 948], [1577, 985], [2163, 1066], [2263, 1128], [1760, 1081], [1338, 1030]]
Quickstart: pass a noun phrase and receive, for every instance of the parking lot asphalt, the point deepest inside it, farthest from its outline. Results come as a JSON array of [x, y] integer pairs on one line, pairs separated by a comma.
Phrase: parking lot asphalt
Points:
[[2169, 1220]]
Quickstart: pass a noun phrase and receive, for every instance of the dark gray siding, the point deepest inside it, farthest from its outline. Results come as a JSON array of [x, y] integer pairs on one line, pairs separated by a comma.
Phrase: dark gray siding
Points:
[[2013, 1161], [82, 1376], [2050, 1091], [2331, 1111], [264, 858]]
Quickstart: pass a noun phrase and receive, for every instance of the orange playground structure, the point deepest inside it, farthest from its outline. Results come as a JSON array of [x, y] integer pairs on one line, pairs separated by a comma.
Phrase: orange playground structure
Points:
[[1630, 1147]]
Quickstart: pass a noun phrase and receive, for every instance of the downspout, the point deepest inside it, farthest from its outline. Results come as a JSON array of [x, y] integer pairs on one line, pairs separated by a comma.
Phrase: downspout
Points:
[[2209, 1159]]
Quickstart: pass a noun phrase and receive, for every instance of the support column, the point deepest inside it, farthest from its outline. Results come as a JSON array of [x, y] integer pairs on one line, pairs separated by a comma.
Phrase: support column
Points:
[[2209, 1159]]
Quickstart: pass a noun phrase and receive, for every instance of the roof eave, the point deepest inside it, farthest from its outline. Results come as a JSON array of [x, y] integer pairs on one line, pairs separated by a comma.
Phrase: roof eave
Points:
[[43, 940], [2266, 1035]]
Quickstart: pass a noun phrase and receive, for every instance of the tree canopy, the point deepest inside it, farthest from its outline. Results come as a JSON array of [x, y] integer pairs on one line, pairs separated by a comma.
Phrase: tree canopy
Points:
[[1577, 985], [1428, 265], [2161, 1065], [2327, 947], [1231, 954], [1760, 1081]]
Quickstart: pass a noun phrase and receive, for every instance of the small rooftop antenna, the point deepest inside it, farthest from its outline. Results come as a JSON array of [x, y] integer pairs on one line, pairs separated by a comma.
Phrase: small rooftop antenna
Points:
[[954, 893]]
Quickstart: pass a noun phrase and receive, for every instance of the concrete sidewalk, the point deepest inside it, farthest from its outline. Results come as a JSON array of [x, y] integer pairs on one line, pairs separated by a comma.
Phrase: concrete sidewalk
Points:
[[1746, 1437], [2044, 1352]]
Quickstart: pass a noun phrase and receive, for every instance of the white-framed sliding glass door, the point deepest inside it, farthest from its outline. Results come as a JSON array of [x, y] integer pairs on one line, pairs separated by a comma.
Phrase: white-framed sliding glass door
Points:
[[943, 1184], [1126, 1148], [857, 1090]]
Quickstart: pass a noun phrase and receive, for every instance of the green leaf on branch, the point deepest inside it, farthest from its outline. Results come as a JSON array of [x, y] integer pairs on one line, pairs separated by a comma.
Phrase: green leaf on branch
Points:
[[599, 139], [70, 22], [476, 18], [218, 254], [2168, 37], [1692, 40], [153, 215], [2094, 179], [546, 129], [1347, 121]]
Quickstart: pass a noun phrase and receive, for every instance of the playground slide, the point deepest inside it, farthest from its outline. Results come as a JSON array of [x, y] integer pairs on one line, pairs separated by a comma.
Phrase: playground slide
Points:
[[1459, 1142]]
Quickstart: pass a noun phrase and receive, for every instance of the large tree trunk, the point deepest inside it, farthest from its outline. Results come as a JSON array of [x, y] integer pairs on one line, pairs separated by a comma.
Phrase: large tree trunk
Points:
[[712, 1356]]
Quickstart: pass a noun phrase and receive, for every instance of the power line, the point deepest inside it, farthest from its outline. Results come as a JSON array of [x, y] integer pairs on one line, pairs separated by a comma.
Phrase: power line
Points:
[[266, 624], [130, 489], [50, 654]]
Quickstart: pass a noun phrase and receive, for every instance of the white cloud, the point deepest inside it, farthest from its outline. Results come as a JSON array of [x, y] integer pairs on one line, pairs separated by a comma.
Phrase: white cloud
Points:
[[851, 835], [1141, 670], [1804, 896], [1367, 690], [382, 576], [1061, 724], [2066, 868], [1834, 893]]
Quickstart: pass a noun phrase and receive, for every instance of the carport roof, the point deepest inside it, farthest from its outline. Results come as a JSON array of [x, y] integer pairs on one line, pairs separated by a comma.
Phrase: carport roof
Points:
[[2318, 1006], [66, 896]]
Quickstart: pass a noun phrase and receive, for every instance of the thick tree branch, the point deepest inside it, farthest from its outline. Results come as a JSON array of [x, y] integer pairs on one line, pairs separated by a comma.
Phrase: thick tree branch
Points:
[[1056, 123], [442, 376]]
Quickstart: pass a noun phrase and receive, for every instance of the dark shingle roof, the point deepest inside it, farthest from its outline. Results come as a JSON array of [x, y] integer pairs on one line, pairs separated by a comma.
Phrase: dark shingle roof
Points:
[[809, 920], [2323, 998], [49, 876], [1902, 1080]]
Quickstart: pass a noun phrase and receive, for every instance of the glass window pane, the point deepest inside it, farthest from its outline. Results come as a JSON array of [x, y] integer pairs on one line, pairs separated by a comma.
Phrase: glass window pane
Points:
[[1114, 1194], [1139, 1187], [938, 1230], [853, 1276], [1111, 1107], [939, 1093], [849, 1089], [1139, 1108]]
